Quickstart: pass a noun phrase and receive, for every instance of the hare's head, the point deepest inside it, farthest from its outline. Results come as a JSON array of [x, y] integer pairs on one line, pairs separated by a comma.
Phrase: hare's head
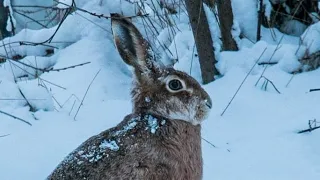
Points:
[[158, 89]]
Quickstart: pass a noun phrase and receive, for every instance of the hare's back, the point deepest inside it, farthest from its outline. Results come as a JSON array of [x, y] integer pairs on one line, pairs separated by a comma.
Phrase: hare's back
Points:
[[128, 151]]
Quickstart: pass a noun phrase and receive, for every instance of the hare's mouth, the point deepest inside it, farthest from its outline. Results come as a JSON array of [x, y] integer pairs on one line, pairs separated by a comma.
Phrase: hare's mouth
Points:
[[202, 112]]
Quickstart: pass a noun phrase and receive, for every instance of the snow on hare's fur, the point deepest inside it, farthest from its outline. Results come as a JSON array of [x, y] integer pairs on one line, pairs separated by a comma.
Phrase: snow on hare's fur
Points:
[[161, 138]]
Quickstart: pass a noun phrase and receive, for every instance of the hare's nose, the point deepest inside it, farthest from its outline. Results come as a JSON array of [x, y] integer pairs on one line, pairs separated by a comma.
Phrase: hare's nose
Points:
[[208, 103]]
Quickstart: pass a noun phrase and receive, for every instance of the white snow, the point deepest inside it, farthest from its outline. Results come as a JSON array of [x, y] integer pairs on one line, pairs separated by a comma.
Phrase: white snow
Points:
[[112, 145], [245, 13], [153, 124], [268, 9], [255, 139], [309, 38], [37, 95], [126, 128]]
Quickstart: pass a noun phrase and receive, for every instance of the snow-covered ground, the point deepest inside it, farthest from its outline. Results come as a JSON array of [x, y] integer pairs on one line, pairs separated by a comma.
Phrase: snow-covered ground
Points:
[[255, 139]]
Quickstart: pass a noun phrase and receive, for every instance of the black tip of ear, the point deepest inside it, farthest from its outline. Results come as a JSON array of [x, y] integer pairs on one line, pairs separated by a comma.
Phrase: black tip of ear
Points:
[[114, 15], [120, 19]]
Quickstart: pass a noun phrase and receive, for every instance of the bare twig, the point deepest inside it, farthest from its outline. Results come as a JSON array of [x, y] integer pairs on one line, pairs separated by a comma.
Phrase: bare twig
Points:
[[32, 109], [72, 95], [35, 6], [39, 77], [51, 69], [27, 43], [107, 30], [309, 130], [208, 142], [269, 81], [15, 117], [267, 63], [33, 20], [12, 99], [312, 126], [243, 82], [95, 14], [292, 76], [4, 135], [86, 94], [74, 102], [312, 90], [274, 52]]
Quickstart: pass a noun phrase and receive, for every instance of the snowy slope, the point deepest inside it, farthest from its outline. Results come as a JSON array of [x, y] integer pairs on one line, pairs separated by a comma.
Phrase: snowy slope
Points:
[[255, 139]]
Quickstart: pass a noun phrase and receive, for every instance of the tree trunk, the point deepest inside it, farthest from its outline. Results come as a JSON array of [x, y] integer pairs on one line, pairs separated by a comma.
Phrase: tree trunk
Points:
[[260, 19], [3, 21], [226, 21], [203, 40]]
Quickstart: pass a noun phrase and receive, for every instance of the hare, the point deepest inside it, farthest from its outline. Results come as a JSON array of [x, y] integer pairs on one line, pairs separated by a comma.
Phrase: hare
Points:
[[161, 138]]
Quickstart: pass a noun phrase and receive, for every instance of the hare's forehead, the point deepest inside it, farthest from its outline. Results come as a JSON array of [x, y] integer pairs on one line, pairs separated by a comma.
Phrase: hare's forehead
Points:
[[169, 77]]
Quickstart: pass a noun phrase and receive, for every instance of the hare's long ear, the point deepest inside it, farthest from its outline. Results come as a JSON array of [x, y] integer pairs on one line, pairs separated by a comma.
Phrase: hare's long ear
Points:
[[132, 47]]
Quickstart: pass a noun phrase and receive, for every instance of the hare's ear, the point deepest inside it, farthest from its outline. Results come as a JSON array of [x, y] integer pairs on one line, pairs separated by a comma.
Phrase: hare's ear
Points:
[[132, 47]]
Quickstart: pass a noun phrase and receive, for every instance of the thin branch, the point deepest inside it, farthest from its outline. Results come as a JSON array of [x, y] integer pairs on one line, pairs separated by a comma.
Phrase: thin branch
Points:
[[243, 82], [98, 15], [51, 69], [74, 102], [267, 63], [35, 6], [208, 142], [312, 126], [12, 99], [312, 90], [15, 117], [93, 23], [309, 130], [72, 95], [271, 84], [4, 135], [27, 43], [86, 94], [33, 20], [32, 109], [292, 76], [39, 77], [274, 52]]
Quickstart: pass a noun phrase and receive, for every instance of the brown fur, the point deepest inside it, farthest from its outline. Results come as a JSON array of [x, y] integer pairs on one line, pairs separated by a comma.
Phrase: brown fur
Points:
[[160, 139], [172, 152]]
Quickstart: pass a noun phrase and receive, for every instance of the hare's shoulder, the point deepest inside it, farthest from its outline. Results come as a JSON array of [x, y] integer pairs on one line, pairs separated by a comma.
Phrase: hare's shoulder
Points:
[[109, 148]]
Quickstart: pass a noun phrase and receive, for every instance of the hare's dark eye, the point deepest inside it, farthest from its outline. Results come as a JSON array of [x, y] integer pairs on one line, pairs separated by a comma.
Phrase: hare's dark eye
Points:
[[175, 85]]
